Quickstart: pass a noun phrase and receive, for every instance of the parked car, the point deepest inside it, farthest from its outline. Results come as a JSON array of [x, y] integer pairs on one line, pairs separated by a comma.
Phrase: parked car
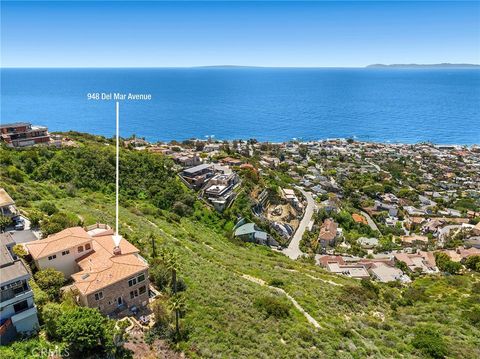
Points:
[[19, 224]]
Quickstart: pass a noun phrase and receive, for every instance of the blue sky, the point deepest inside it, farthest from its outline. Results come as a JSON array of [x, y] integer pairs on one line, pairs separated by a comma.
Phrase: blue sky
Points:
[[303, 34]]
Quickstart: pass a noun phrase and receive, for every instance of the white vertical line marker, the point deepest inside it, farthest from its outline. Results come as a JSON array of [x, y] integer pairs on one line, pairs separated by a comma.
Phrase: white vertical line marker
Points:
[[117, 237], [117, 170]]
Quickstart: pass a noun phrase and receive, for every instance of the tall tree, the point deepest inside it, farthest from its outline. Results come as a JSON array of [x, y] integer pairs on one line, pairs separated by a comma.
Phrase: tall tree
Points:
[[177, 305]]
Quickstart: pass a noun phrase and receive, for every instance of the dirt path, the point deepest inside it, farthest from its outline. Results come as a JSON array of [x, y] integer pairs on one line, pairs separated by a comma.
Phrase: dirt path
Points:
[[290, 298]]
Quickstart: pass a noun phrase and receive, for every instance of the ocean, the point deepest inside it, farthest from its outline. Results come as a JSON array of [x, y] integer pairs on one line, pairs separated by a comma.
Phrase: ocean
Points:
[[270, 104]]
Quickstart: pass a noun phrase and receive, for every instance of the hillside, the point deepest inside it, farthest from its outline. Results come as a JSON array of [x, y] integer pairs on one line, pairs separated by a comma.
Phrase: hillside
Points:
[[226, 280]]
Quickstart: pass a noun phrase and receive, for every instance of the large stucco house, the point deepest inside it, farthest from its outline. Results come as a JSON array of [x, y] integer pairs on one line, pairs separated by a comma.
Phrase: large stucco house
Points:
[[106, 276]]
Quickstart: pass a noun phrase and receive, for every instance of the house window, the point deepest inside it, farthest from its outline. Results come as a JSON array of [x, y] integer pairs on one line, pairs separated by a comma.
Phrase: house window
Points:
[[132, 282], [64, 253], [98, 295], [20, 307], [142, 289], [52, 257], [133, 294], [87, 246], [80, 249], [141, 278]]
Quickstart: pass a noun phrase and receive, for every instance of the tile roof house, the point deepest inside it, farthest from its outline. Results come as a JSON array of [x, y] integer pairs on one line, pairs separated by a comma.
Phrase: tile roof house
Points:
[[106, 277], [459, 254], [328, 233], [424, 261], [7, 204], [61, 250], [358, 218]]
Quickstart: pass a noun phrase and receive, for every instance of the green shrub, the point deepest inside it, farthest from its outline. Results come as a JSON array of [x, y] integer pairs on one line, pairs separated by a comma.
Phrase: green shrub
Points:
[[48, 207], [35, 217], [429, 342], [50, 281], [36, 347], [273, 306], [4, 222], [58, 222], [85, 330], [160, 275], [473, 315], [473, 263], [413, 294], [15, 174], [370, 286], [49, 315], [40, 296], [276, 282], [445, 264], [353, 296]]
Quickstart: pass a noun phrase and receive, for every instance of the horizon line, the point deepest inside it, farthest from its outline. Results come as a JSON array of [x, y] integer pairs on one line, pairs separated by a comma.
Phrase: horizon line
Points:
[[378, 66]]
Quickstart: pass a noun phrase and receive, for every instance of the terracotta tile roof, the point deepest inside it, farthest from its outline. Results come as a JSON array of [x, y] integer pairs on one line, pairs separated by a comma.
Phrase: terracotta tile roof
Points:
[[106, 241], [68, 238], [328, 230], [359, 218], [324, 260], [102, 268], [429, 258], [464, 253], [5, 199]]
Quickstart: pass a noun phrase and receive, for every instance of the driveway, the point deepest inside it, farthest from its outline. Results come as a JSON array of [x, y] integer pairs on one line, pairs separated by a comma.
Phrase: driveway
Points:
[[370, 221], [293, 251]]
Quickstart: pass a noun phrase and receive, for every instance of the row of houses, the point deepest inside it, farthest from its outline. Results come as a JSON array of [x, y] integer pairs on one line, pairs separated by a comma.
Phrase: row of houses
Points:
[[384, 269]]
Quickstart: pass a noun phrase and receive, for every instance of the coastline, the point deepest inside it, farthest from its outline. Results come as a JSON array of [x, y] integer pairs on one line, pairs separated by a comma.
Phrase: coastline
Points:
[[293, 140]]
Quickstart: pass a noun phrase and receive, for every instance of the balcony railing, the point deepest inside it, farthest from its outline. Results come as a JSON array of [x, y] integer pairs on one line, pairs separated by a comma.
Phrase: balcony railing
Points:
[[10, 293]]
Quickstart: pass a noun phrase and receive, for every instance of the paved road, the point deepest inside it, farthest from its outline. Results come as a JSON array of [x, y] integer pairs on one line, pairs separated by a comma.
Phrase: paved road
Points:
[[370, 221], [293, 251]]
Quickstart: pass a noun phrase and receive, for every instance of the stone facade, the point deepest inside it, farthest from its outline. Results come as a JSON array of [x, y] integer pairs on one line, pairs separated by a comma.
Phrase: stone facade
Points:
[[119, 294]]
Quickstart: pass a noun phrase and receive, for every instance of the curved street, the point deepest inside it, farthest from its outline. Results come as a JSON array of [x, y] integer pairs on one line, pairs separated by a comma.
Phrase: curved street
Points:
[[293, 250], [370, 221]]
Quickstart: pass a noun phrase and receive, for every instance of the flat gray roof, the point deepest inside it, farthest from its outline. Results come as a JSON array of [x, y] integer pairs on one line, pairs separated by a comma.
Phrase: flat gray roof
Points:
[[13, 272], [15, 124], [198, 168], [6, 239], [5, 257]]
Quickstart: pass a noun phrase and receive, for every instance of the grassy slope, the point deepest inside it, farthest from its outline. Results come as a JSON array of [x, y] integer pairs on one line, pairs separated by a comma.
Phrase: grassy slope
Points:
[[223, 321]]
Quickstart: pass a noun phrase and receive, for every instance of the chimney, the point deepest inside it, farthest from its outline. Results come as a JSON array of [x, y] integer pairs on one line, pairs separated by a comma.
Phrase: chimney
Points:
[[117, 251]]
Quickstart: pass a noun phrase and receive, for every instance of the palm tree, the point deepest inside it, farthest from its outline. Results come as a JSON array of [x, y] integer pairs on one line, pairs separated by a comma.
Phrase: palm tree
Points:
[[170, 259], [177, 305], [152, 239]]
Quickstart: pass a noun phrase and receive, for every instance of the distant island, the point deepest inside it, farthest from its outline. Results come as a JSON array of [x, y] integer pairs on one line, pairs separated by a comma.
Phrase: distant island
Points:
[[442, 65]]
